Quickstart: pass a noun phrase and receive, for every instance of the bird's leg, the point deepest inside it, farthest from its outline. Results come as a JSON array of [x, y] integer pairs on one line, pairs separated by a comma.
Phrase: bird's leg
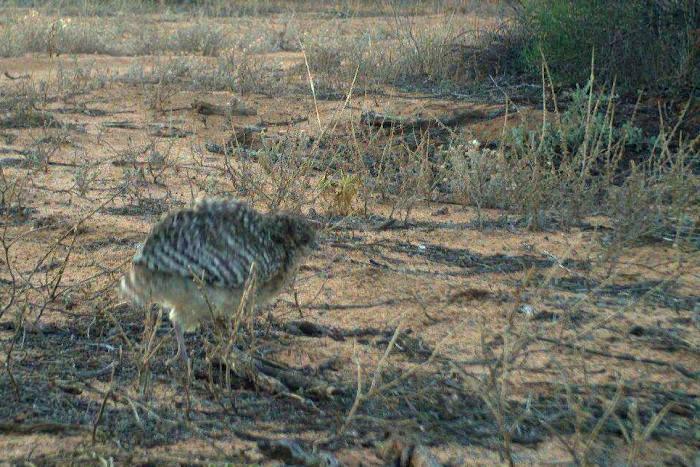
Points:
[[181, 349]]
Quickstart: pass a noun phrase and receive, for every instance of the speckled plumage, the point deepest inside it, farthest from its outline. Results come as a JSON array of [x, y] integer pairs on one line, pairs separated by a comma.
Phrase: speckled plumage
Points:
[[196, 261]]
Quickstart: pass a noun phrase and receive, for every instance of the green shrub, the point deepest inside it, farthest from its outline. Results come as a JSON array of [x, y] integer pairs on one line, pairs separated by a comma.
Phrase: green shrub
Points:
[[640, 43]]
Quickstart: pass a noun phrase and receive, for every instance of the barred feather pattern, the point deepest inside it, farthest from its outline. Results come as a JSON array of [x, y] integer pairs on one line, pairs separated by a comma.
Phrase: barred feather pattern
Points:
[[215, 243]]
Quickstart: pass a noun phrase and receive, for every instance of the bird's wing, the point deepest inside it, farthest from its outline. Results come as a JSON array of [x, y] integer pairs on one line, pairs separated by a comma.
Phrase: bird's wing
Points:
[[216, 246]]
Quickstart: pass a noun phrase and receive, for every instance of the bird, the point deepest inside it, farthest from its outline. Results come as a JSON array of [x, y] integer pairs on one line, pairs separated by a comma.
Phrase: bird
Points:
[[196, 261]]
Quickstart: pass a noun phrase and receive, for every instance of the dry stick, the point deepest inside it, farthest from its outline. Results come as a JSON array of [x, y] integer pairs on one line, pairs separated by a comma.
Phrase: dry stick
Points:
[[551, 89], [613, 314], [296, 301], [389, 347], [96, 373], [311, 83], [325, 281], [102, 406], [508, 101], [134, 410], [552, 431], [333, 120], [64, 263], [188, 382], [358, 394], [134, 404], [246, 302], [14, 194], [378, 390], [639, 438], [13, 294], [40, 427], [147, 352], [218, 331], [69, 231], [104, 272], [290, 122], [544, 108], [587, 128], [318, 141], [122, 333], [593, 436], [244, 305]]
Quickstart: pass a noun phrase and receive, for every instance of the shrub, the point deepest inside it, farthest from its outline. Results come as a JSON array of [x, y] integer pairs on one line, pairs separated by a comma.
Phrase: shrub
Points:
[[200, 38], [581, 163], [641, 43]]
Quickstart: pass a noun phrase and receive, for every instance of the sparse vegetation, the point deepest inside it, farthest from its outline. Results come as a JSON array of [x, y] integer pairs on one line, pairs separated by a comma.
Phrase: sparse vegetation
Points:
[[508, 266]]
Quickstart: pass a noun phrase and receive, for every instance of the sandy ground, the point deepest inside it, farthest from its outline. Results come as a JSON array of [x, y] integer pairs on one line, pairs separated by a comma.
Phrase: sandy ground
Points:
[[469, 290]]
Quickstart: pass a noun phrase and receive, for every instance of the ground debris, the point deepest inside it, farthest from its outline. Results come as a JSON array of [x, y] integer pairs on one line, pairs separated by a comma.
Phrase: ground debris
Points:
[[86, 111], [277, 379], [626, 357], [164, 130], [248, 136], [384, 120], [234, 107], [290, 452], [396, 452], [39, 427], [662, 339], [122, 124]]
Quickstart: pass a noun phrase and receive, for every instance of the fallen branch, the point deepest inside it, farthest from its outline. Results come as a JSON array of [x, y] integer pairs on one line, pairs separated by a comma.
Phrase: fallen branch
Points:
[[167, 131], [40, 427], [17, 162], [88, 112], [235, 107], [376, 119], [292, 121], [123, 124], [29, 118], [291, 453], [276, 378], [9, 76]]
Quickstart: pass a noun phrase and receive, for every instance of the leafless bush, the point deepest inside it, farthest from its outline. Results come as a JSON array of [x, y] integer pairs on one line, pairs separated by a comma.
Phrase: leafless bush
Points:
[[406, 54], [12, 191], [200, 38], [398, 169], [280, 176], [657, 201], [84, 176], [231, 73]]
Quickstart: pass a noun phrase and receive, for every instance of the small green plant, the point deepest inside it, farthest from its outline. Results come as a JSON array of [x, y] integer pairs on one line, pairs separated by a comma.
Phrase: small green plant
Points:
[[477, 176], [339, 193]]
